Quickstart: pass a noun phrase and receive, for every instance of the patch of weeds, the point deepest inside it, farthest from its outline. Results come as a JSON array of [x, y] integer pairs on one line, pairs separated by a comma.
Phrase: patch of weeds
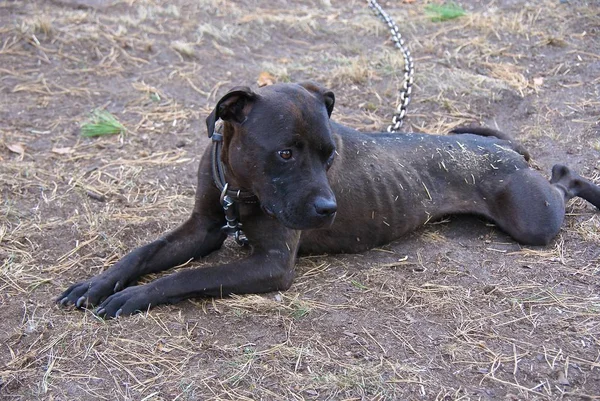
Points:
[[444, 12], [299, 310], [188, 390], [238, 312], [101, 123], [370, 107]]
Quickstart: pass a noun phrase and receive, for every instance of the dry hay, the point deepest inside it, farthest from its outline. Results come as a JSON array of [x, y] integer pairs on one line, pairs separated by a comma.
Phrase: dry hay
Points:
[[454, 311]]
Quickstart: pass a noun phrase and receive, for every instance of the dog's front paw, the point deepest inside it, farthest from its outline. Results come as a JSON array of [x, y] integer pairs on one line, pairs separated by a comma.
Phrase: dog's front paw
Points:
[[127, 302], [89, 293]]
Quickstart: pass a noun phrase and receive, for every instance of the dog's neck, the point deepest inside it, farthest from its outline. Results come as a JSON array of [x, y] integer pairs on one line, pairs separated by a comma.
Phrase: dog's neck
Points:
[[230, 176], [223, 175]]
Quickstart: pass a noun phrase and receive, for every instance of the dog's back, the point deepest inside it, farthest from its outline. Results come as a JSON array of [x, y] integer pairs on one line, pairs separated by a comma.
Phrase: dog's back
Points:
[[394, 183]]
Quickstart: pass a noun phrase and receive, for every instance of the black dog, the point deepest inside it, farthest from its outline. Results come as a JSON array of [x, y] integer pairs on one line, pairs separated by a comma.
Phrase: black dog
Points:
[[301, 183]]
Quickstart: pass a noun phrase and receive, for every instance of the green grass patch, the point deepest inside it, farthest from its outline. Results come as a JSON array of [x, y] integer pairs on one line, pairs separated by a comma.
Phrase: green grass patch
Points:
[[359, 285], [299, 310], [101, 123], [444, 12]]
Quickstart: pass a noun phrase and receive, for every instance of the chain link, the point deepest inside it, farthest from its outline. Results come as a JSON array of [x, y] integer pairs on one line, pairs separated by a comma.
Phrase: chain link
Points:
[[409, 67]]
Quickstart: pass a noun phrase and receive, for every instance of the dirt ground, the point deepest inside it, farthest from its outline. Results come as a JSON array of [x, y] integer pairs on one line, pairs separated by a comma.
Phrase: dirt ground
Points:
[[455, 311]]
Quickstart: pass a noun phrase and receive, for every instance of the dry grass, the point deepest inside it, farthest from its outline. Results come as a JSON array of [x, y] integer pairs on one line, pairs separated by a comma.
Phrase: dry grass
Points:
[[352, 71], [183, 48], [278, 72], [303, 21], [454, 311], [37, 25], [225, 33], [509, 74]]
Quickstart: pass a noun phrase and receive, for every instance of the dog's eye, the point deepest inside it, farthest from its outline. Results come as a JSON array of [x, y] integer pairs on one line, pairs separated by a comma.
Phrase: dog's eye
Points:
[[330, 160], [285, 154]]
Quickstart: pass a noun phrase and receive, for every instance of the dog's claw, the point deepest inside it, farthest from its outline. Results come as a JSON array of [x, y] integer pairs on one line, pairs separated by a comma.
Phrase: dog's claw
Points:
[[63, 301], [100, 312], [117, 287], [118, 313], [80, 302]]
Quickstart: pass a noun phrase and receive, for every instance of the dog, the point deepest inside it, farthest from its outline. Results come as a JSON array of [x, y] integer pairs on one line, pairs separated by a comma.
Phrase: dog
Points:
[[285, 179]]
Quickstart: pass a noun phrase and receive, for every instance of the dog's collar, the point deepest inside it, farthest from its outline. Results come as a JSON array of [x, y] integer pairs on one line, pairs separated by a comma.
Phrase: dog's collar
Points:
[[218, 173]]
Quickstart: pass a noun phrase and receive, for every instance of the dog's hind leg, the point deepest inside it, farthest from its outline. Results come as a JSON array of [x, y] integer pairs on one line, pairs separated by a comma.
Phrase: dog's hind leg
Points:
[[572, 185], [527, 207], [489, 132], [531, 209]]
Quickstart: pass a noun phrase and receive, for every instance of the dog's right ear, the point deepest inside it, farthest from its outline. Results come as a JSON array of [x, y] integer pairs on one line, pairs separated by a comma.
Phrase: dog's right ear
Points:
[[233, 106]]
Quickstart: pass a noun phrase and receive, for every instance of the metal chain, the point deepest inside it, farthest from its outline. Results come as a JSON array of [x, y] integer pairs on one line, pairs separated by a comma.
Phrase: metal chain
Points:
[[409, 67]]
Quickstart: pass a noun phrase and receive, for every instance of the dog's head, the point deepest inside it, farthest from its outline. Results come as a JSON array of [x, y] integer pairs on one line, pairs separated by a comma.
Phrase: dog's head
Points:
[[278, 144]]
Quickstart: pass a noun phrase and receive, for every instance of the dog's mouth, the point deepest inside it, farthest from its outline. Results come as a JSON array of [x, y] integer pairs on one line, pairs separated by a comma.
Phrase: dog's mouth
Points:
[[302, 222], [328, 221]]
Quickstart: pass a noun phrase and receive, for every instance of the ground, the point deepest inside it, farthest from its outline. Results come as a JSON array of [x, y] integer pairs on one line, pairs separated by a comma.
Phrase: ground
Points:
[[457, 310]]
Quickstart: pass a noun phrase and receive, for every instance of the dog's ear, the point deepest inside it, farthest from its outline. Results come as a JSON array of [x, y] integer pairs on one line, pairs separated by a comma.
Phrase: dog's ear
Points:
[[233, 106], [329, 101], [328, 96]]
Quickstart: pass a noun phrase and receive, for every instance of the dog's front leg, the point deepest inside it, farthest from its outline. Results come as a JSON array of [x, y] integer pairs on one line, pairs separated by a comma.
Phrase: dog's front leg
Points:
[[198, 236], [270, 267]]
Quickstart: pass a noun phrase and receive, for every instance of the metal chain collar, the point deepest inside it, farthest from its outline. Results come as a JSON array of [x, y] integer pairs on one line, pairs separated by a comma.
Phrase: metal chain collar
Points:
[[233, 226], [409, 67]]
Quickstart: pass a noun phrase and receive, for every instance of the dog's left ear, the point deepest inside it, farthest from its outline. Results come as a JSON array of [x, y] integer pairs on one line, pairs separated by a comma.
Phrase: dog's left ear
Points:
[[328, 96], [233, 106]]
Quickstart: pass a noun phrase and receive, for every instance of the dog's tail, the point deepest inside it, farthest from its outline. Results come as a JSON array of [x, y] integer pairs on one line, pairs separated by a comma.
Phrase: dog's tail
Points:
[[484, 131]]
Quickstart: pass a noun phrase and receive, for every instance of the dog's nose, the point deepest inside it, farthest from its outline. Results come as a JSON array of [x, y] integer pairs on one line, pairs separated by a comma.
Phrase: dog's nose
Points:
[[325, 207]]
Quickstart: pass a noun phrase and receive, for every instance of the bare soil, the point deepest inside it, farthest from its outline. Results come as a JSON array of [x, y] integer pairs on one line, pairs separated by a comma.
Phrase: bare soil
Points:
[[457, 310]]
